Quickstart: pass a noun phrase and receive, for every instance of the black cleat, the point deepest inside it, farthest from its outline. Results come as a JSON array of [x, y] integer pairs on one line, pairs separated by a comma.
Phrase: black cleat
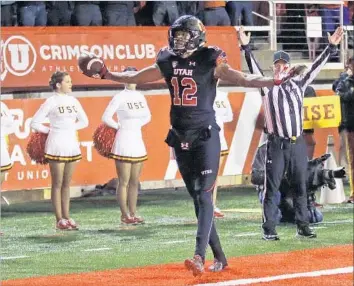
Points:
[[305, 231], [270, 236]]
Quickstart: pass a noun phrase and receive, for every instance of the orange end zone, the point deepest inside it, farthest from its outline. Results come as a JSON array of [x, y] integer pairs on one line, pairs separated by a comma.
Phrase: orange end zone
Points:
[[256, 266]]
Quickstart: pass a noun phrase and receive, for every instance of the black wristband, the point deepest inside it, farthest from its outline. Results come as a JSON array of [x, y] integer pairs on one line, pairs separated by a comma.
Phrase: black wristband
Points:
[[245, 47], [332, 48]]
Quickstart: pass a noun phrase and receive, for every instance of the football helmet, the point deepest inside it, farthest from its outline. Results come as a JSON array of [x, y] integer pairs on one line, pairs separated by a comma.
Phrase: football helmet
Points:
[[187, 34]]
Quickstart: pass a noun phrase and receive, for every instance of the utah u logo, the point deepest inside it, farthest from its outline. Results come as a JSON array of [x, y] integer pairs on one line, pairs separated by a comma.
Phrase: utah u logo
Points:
[[18, 56], [185, 146]]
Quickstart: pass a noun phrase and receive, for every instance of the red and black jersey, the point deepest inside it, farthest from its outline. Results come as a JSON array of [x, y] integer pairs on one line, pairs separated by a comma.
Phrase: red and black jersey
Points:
[[192, 86]]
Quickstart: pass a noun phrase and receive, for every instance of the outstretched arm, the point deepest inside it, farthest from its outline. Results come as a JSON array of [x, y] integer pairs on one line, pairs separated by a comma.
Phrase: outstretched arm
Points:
[[246, 79], [148, 74], [322, 59], [225, 72], [252, 64]]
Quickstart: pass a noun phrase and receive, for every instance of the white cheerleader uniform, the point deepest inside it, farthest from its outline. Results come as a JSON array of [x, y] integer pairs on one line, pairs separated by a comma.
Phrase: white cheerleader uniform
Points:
[[223, 113], [66, 116], [7, 127], [133, 113]]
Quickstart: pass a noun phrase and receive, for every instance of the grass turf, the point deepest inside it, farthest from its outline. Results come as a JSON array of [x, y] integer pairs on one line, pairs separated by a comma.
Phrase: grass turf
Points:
[[168, 235]]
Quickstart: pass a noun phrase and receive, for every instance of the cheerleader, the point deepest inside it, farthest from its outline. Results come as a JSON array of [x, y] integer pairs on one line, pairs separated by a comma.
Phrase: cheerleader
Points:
[[128, 149], [7, 127], [223, 114], [62, 149]]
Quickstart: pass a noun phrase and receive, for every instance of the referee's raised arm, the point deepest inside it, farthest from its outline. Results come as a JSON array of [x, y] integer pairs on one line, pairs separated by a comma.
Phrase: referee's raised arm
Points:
[[252, 63], [321, 60]]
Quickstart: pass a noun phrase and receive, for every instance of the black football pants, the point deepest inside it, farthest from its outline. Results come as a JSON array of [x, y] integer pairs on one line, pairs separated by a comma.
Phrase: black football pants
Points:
[[199, 168]]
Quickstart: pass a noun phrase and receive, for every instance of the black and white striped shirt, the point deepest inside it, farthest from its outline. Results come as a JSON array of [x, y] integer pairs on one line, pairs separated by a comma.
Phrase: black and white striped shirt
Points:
[[283, 104]]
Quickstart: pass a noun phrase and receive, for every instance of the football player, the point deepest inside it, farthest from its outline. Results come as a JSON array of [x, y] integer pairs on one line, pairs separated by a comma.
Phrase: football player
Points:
[[191, 71]]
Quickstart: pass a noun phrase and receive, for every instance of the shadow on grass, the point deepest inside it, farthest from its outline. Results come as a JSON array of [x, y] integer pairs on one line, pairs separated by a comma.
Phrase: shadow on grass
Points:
[[65, 236], [59, 237], [161, 198]]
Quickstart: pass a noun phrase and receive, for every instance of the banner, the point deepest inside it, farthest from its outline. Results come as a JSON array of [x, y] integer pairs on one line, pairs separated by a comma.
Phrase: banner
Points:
[[94, 169], [30, 55], [322, 112]]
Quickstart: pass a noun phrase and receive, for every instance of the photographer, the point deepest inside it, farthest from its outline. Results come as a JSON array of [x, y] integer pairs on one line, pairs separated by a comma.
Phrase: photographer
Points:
[[345, 89], [341, 129], [317, 177]]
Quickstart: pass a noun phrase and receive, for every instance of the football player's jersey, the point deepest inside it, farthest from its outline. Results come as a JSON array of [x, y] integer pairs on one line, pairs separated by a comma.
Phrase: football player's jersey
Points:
[[192, 86]]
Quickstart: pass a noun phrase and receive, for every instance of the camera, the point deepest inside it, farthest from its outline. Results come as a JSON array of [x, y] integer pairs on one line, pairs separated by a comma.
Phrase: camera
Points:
[[317, 177]]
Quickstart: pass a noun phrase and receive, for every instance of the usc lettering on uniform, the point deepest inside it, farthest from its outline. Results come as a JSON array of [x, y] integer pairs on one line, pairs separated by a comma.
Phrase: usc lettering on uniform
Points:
[[69, 109], [135, 105]]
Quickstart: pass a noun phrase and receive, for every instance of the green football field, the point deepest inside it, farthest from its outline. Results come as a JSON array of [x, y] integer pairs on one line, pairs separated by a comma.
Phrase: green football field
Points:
[[32, 247]]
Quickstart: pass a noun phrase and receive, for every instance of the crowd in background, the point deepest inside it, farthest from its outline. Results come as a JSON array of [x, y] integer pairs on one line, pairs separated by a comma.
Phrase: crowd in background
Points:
[[160, 13]]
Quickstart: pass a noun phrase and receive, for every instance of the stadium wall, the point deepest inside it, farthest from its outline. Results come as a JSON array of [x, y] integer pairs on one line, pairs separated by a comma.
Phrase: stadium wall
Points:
[[243, 135]]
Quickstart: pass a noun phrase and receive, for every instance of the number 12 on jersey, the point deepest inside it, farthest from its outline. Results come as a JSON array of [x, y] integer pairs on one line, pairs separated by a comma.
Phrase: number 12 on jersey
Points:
[[189, 89]]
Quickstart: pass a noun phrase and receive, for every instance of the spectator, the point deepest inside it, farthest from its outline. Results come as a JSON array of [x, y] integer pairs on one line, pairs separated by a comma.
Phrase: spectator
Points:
[[118, 13], [215, 14], [87, 13], [7, 13], [236, 9], [59, 12], [31, 13], [308, 134], [351, 18], [331, 16], [312, 10], [164, 13], [281, 16], [187, 8], [345, 90], [262, 8], [143, 14]]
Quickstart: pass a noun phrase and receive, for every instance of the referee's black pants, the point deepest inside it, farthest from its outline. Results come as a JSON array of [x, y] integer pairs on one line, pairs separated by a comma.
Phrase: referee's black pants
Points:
[[289, 159]]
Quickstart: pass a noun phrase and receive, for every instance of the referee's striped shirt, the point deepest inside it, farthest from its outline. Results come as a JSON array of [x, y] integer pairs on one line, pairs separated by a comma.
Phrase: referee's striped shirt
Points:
[[283, 104]]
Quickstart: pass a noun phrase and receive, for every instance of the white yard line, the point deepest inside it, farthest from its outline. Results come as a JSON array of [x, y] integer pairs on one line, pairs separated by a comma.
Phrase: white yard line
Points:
[[98, 249], [249, 281], [174, 241], [336, 222], [13, 257], [248, 234]]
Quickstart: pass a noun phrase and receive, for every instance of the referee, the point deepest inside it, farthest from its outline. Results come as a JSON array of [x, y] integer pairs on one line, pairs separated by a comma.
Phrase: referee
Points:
[[286, 149]]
